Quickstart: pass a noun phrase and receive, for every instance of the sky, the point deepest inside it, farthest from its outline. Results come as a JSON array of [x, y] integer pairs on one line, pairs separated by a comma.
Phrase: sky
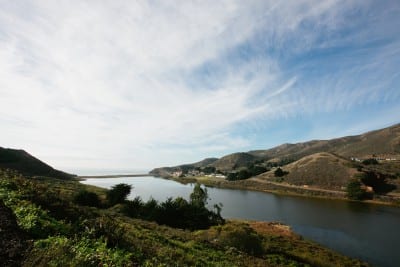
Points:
[[133, 85]]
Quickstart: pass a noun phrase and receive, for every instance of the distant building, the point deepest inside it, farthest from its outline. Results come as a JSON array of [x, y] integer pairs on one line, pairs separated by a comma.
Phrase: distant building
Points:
[[177, 173]]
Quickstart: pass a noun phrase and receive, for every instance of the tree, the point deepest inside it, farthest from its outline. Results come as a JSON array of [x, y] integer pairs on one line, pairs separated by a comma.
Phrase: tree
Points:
[[370, 161], [133, 208], [279, 172], [354, 190], [243, 174], [118, 193], [209, 170], [232, 176], [256, 170], [199, 196]]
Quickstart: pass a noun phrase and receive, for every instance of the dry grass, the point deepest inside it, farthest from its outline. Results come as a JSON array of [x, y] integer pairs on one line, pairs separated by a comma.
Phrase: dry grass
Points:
[[320, 170]]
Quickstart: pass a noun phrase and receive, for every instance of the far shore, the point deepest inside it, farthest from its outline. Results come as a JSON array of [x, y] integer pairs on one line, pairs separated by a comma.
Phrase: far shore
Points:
[[254, 184], [112, 176]]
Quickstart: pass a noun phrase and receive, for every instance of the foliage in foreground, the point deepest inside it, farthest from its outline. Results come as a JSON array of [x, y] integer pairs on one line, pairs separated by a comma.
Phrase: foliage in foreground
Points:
[[78, 235], [178, 213]]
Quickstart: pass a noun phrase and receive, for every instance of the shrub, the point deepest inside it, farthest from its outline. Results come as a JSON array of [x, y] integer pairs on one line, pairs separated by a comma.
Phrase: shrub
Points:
[[354, 190], [118, 194], [243, 174], [232, 176], [36, 221], [279, 172], [377, 181], [63, 251], [371, 161], [243, 238], [256, 170], [86, 198], [133, 208]]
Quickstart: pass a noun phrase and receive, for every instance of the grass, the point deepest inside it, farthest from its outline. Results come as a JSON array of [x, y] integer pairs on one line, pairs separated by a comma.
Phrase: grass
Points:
[[67, 234]]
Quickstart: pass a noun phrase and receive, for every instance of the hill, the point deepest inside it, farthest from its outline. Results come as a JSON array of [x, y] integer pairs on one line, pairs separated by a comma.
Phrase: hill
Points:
[[383, 143], [380, 143], [166, 171], [234, 161], [322, 170], [27, 164]]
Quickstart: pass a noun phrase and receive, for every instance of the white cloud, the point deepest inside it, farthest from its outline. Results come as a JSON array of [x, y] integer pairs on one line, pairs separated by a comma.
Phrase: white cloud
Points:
[[111, 81]]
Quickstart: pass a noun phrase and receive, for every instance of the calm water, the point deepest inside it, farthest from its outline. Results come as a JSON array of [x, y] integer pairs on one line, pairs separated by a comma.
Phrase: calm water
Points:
[[368, 232]]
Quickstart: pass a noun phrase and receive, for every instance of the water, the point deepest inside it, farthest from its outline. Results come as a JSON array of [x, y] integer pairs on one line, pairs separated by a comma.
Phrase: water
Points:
[[359, 230]]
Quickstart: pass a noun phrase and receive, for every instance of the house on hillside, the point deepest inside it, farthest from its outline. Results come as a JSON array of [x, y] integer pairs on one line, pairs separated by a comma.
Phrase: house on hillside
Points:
[[177, 173]]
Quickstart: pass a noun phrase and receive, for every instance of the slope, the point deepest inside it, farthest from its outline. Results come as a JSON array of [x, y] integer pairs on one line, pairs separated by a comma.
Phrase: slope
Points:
[[27, 164], [383, 142], [234, 161], [321, 170]]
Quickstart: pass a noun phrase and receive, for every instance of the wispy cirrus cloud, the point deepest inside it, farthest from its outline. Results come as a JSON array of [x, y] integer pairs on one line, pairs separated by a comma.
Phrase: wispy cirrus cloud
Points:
[[148, 82]]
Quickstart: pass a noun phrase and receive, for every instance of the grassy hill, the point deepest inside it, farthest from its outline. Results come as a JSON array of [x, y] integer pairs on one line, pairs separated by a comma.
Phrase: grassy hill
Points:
[[322, 170], [165, 171], [384, 142], [27, 164], [234, 161]]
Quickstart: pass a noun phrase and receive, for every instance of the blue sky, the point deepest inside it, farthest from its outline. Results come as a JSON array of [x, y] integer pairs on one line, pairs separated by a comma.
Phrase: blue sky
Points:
[[140, 84]]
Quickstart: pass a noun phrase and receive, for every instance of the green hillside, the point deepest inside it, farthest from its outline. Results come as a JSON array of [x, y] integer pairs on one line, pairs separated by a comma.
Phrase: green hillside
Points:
[[27, 164]]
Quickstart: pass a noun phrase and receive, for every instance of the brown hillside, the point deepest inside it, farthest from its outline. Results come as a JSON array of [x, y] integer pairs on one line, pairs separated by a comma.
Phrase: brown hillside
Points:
[[321, 170], [384, 142], [234, 161]]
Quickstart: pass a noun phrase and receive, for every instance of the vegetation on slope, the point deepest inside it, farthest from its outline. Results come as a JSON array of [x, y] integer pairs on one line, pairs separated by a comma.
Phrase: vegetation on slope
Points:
[[65, 233], [27, 164], [321, 170]]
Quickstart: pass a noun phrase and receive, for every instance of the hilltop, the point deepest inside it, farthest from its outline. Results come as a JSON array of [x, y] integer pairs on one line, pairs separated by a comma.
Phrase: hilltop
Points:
[[379, 143], [25, 163]]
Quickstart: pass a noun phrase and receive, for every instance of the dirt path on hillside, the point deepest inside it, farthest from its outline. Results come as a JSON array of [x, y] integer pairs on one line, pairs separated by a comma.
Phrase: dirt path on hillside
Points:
[[290, 186]]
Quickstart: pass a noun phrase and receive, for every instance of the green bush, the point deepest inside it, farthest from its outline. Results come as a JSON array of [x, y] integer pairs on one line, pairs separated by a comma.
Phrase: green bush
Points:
[[36, 221], [133, 208], [86, 198], [354, 190], [242, 238], [63, 251], [118, 194], [370, 161], [279, 172]]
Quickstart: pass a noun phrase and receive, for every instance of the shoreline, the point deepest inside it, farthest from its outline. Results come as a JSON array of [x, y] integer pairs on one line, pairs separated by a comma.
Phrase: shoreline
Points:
[[83, 177], [254, 185]]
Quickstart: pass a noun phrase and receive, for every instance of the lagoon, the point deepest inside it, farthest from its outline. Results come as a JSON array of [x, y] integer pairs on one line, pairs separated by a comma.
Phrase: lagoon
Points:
[[360, 230]]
